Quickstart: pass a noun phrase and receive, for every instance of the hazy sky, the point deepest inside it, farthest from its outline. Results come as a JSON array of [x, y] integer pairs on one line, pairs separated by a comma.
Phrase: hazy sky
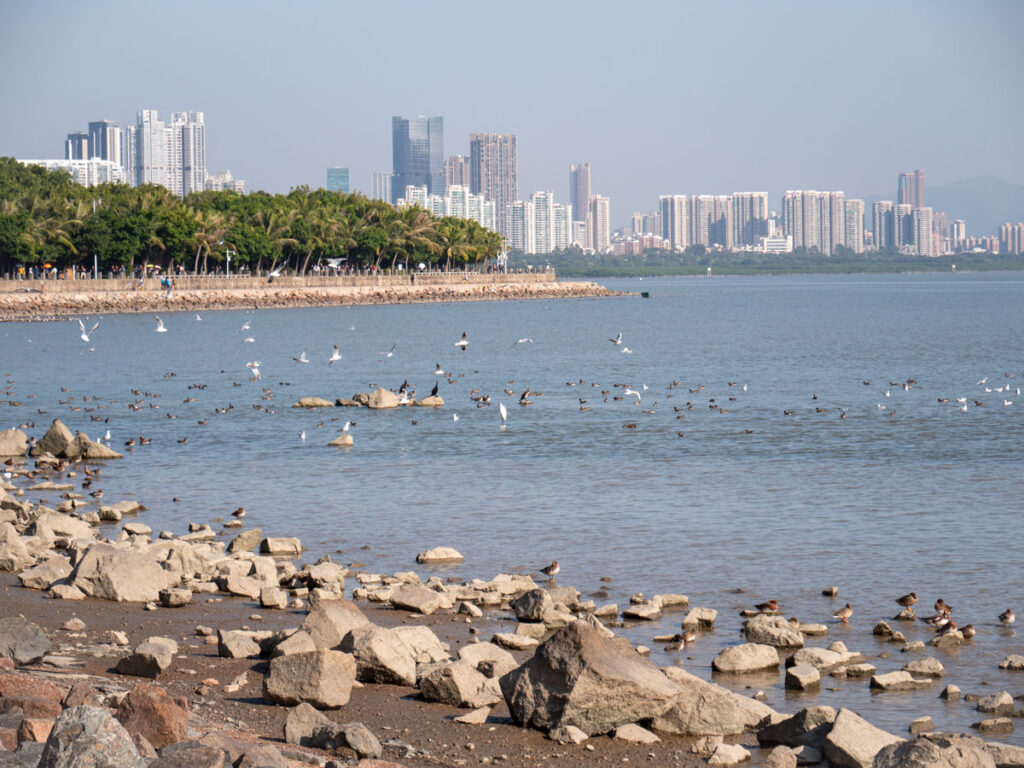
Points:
[[659, 97]]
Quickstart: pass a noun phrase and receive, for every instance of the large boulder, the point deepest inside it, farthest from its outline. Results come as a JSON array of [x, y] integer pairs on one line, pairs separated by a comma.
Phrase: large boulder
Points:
[[700, 709], [533, 605], [56, 440], [302, 722], [749, 657], [149, 659], [460, 684], [381, 399], [45, 573], [313, 402], [488, 659], [322, 678], [89, 737], [51, 525], [381, 656], [116, 574], [246, 541], [439, 555], [580, 677], [423, 644], [853, 742], [417, 598], [13, 442], [330, 620], [21, 640], [14, 556], [936, 751], [85, 448], [149, 710], [354, 736], [776, 631], [807, 728]]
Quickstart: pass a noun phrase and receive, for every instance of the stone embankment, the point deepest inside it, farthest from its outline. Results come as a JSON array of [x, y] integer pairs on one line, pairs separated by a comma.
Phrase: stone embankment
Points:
[[36, 299]]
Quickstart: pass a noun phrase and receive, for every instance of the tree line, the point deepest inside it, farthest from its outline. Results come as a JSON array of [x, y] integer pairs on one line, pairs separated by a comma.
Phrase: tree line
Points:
[[45, 218]]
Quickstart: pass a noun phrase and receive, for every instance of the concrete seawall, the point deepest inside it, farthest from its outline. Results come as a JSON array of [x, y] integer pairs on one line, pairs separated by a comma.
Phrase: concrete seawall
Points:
[[82, 298]]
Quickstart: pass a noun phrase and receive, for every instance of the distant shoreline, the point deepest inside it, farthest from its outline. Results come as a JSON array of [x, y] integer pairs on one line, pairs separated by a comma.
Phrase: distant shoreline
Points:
[[32, 304]]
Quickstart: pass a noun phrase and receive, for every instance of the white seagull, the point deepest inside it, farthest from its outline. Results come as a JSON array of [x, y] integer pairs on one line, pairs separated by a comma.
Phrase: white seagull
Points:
[[198, 318], [629, 391], [455, 417], [248, 340], [627, 351], [254, 366], [334, 357], [245, 327], [390, 352], [504, 414], [302, 435], [85, 336], [438, 371], [347, 425], [1007, 402], [463, 342], [107, 436], [523, 341], [983, 381], [617, 340], [301, 358], [159, 325]]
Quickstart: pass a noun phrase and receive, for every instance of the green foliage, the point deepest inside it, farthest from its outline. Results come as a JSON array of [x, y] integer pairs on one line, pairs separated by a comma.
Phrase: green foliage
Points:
[[46, 217]]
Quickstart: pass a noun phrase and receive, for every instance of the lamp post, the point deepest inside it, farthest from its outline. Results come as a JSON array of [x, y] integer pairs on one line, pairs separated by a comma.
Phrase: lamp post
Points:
[[228, 253]]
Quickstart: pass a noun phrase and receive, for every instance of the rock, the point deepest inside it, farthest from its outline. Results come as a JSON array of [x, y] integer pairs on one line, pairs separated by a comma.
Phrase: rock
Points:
[[297, 642], [642, 612], [780, 757], [137, 529], [922, 752], [148, 660], [330, 620], [749, 657], [921, 725], [808, 727], [313, 402], [381, 656], [470, 610], [1014, 662], [1005, 755], [853, 742], [476, 717], [89, 449], [488, 659], [326, 575], [947, 640], [89, 737], [56, 440], [882, 629], [532, 605], [928, 667], [66, 592], [567, 734], [322, 678], [44, 574], [246, 541], [431, 401], [115, 574], [354, 736], [242, 586], [237, 644], [82, 694], [897, 681], [422, 644], [460, 684], [700, 708], [907, 614], [22, 641], [858, 671], [281, 547], [998, 704], [302, 722], [515, 642], [344, 440], [580, 677], [15, 686], [52, 525], [950, 692], [116, 637], [802, 678], [416, 598], [273, 597], [700, 617], [13, 442], [175, 597], [148, 710], [440, 555], [381, 399], [634, 733], [728, 754], [775, 631], [33, 729], [821, 659], [913, 645], [995, 726], [74, 624], [14, 556]]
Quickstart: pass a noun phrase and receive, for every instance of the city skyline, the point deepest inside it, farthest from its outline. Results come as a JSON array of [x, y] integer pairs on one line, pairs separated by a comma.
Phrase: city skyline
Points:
[[762, 115]]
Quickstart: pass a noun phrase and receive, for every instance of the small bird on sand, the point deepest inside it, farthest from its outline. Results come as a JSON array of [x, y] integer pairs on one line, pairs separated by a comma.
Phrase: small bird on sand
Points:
[[463, 342], [771, 606], [552, 570], [844, 614], [907, 600], [240, 512], [1006, 618]]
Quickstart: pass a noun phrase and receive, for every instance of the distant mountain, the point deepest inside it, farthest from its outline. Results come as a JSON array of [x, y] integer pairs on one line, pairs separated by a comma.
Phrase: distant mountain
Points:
[[984, 202]]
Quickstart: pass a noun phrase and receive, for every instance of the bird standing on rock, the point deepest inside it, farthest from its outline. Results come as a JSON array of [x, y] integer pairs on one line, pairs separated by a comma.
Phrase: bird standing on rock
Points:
[[907, 600], [552, 570], [844, 614], [772, 606]]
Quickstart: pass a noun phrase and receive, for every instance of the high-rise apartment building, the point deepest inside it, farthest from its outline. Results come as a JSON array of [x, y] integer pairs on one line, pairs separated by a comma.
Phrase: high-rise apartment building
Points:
[[88, 173], [543, 221], [380, 186], [910, 189], [456, 171], [417, 146], [337, 179], [149, 166], [1011, 238], [921, 223], [675, 221], [579, 191], [815, 220], [224, 181], [128, 150], [854, 239], [494, 170], [188, 161], [562, 227], [903, 225], [105, 141], [882, 232], [749, 218], [600, 219], [958, 233], [76, 146], [520, 222]]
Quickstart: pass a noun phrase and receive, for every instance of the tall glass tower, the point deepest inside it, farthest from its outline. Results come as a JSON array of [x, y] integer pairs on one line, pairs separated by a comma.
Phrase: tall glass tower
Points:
[[337, 180], [418, 154]]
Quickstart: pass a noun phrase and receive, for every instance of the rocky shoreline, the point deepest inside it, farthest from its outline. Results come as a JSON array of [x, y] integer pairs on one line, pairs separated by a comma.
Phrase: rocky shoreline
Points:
[[34, 304], [221, 645]]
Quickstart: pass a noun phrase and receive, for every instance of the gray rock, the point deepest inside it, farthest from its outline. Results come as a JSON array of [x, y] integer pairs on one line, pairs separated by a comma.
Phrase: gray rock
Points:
[[1014, 662], [460, 684], [322, 678], [52, 525], [381, 399], [995, 726], [898, 681], [237, 644], [700, 708], [354, 736], [148, 660], [246, 541], [175, 597], [775, 631], [330, 620], [115, 574], [923, 752], [296, 642], [642, 612], [273, 597], [44, 574], [749, 657], [56, 440], [927, 667], [579, 677], [728, 754], [302, 722], [416, 598], [780, 757], [477, 717], [808, 727], [195, 756], [998, 704], [567, 734], [440, 555], [22, 641], [89, 737], [921, 725], [13, 442], [532, 605], [950, 692], [700, 617], [281, 547], [634, 733], [488, 659], [802, 678], [853, 742], [381, 656]]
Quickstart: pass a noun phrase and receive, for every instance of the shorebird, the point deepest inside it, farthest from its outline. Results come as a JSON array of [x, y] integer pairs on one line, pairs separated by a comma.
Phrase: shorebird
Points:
[[463, 342], [617, 340], [771, 606], [438, 370], [245, 327], [85, 336], [334, 357], [627, 351], [552, 570], [503, 412], [301, 358], [390, 352], [523, 341], [968, 631], [159, 325], [347, 425], [198, 318], [907, 600], [844, 614], [1006, 618], [106, 437], [240, 512], [455, 417]]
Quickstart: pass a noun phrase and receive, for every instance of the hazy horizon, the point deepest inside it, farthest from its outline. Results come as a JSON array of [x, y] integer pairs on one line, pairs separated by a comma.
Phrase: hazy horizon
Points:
[[660, 98]]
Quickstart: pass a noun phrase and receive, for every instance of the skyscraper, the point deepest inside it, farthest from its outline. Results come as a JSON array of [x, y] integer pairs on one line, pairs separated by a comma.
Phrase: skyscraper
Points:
[[910, 190], [190, 136], [456, 171], [903, 225], [105, 141], [337, 180], [543, 221], [494, 170], [882, 225], [921, 223], [749, 217], [380, 186], [520, 221], [600, 219], [417, 146], [76, 146], [579, 190], [675, 221], [815, 220], [150, 162], [855, 225]]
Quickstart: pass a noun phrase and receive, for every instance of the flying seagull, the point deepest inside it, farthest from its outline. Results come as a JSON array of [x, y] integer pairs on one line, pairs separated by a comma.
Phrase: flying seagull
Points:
[[85, 336], [301, 358], [523, 341], [438, 371], [244, 327], [335, 356], [504, 414], [390, 352], [617, 340], [463, 342], [159, 325]]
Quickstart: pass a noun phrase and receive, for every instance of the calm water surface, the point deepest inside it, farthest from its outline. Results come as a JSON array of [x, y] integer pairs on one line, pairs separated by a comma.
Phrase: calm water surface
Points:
[[904, 493]]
